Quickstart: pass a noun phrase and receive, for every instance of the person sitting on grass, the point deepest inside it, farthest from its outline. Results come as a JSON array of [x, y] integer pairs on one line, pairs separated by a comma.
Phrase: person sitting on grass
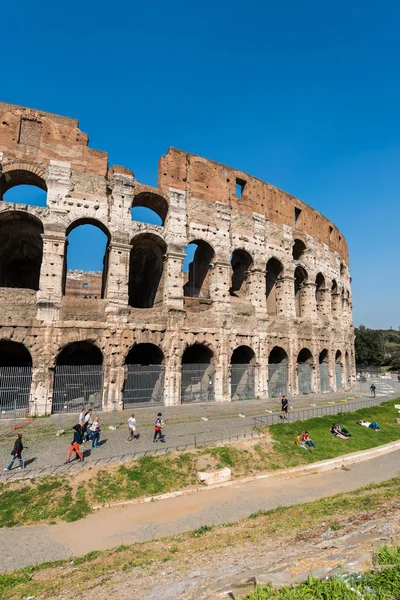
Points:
[[373, 425], [337, 431], [299, 442], [307, 441]]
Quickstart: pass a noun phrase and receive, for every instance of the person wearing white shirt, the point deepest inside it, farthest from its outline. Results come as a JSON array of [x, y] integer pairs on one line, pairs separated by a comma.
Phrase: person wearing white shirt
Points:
[[132, 429]]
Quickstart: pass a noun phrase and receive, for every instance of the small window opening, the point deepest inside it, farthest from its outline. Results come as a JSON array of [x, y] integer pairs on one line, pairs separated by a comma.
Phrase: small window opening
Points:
[[240, 185], [85, 286], [297, 214], [330, 232]]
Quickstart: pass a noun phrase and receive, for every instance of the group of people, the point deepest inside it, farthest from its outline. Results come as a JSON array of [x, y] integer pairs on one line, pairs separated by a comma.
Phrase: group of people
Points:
[[303, 441]]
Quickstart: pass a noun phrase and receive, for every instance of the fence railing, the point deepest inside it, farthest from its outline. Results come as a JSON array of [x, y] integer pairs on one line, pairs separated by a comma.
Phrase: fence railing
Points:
[[77, 386], [15, 390], [143, 385]]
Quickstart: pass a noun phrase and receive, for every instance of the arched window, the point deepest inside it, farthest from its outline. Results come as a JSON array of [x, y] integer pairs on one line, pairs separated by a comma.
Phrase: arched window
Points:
[[86, 260], [335, 298], [146, 269], [338, 371], [298, 249], [23, 187], [148, 207], [197, 281], [274, 272], [300, 279], [347, 369], [78, 378], [304, 373], [21, 250], [144, 375], [241, 262], [324, 383], [197, 383], [320, 294], [242, 373], [15, 378], [278, 361]]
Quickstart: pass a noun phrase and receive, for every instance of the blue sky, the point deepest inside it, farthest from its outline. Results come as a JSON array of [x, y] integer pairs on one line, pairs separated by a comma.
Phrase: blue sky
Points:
[[304, 95]]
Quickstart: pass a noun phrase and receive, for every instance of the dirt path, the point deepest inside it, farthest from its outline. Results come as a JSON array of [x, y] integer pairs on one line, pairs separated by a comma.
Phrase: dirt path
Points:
[[107, 528]]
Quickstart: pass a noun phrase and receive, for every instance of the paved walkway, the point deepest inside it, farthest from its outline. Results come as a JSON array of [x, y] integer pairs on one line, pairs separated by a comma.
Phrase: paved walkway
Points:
[[185, 428], [24, 546]]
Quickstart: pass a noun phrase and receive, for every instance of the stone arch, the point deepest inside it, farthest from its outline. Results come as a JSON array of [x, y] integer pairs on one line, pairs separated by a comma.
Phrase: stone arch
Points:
[[98, 282], [29, 179], [298, 249], [347, 368], [242, 373], [278, 371], [324, 380], [197, 284], [320, 290], [152, 201], [15, 377], [78, 377], [274, 272], [300, 280], [197, 383], [146, 268], [338, 371], [144, 375], [241, 263], [21, 250], [305, 362], [335, 297]]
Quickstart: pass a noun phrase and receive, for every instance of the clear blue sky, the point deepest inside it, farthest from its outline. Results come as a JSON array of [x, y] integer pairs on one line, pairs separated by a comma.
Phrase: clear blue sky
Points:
[[305, 95]]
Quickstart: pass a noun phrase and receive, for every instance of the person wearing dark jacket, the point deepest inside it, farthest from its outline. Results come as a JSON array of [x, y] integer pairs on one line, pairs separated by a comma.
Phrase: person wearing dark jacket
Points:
[[16, 453], [77, 439]]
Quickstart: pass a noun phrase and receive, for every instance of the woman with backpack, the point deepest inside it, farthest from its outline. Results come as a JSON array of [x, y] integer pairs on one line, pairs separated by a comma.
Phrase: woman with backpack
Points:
[[16, 452]]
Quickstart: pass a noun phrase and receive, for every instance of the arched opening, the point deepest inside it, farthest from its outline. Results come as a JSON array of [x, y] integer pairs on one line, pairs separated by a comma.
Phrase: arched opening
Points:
[[320, 294], [148, 207], [86, 260], [334, 298], [298, 249], [146, 270], [197, 374], [242, 373], [23, 187], [278, 362], [347, 369], [304, 371], [21, 250], [324, 383], [15, 378], [338, 371], [197, 269], [273, 290], [144, 376], [300, 280], [78, 378], [241, 263]]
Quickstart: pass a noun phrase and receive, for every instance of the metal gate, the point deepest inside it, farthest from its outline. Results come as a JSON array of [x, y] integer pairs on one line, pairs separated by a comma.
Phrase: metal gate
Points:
[[77, 386], [197, 382], [242, 381], [143, 384], [338, 373], [304, 378], [324, 378], [15, 390], [277, 379]]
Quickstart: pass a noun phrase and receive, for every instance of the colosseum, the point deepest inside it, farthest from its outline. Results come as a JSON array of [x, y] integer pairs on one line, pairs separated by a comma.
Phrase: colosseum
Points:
[[263, 308]]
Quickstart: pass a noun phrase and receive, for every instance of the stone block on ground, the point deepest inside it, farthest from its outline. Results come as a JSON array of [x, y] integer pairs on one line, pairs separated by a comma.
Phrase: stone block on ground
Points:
[[212, 477]]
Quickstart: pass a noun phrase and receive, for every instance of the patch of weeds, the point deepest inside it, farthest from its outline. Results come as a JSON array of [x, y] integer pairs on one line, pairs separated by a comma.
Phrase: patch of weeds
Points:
[[11, 580], [335, 526], [174, 549], [87, 557], [201, 531]]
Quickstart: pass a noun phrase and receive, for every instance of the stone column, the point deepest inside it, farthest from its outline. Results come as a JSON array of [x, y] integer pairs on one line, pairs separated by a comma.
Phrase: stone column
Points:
[[173, 280], [220, 277], [257, 288], [285, 297], [40, 401], [172, 380], [49, 294], [117, 288], [221, 378], [324, 303], [261, 378], [308, 301]]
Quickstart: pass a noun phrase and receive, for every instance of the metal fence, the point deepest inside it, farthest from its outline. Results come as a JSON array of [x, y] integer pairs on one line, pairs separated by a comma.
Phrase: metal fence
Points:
[[77, 386], [15, 391], [324, 383], [277, 379], [304, 378], [338, 375], [242, 381], [197, 382], [143, 385]]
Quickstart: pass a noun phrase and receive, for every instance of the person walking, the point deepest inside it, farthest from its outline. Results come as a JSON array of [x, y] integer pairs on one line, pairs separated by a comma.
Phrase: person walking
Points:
[[285, 406], [373, 390], [95, 430], [16, 453], [82, 415], [88, 422], [132, 429], [158, 429], [76, 440]]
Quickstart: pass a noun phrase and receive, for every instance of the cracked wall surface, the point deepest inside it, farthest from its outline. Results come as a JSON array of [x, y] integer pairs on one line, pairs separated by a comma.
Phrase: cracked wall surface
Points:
[[269, 271]]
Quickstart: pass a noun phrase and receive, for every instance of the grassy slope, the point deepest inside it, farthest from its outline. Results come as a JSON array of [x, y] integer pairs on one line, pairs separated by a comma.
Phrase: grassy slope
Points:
[[54, 498]]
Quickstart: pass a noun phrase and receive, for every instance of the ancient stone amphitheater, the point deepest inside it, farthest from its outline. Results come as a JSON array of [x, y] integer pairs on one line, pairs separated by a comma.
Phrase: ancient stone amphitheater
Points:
[[263, 308]]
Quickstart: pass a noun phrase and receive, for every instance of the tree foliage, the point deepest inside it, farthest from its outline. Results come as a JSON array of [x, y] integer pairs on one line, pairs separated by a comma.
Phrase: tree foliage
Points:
[[377, 347]]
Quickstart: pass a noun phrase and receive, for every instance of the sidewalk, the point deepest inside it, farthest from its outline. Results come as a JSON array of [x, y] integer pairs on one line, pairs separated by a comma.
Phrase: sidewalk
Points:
[[45, 454]]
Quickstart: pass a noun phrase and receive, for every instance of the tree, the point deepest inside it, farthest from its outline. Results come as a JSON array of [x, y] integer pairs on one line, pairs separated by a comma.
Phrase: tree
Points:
[[369, 346]]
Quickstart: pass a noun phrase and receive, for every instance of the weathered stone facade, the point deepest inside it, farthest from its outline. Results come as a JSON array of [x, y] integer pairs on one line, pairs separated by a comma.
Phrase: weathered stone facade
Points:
[[269, 282]]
